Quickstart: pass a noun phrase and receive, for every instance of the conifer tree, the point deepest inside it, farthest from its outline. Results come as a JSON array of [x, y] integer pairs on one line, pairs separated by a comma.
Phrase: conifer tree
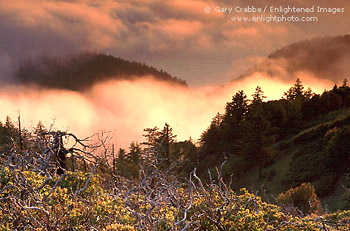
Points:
[[345, 82], [297, 92], [159, 145], [134, 155], [258, 95]]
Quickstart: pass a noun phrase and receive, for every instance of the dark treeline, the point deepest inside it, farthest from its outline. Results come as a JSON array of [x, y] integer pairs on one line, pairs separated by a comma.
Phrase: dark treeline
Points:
[[253, 134], [253, 124], [82, 71]]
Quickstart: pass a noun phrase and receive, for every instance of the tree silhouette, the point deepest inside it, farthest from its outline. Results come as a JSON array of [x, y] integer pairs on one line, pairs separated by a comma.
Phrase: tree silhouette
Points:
[[258, 95], [297, 92]]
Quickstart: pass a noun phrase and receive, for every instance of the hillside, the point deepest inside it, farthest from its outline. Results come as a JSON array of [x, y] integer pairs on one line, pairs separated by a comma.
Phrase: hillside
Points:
[[303, 158], [291, 154], [43, 188], [324, 57], [82, 71], [276, 145]]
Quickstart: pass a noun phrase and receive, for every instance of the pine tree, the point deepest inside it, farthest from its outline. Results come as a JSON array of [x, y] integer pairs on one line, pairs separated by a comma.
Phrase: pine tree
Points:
[[237, 108], [232, 126], [159, 144], [134, 155], [211, 141], [345, 82], [297, 92], [166, 140], [257, 128], [121, 155], [258, 95]]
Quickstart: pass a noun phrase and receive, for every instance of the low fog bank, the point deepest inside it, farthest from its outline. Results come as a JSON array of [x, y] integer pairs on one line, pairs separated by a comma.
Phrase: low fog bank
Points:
[[127, 107]]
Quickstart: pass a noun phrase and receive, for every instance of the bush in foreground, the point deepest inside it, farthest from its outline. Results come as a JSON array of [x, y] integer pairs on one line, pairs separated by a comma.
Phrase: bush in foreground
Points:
[[33, 196]]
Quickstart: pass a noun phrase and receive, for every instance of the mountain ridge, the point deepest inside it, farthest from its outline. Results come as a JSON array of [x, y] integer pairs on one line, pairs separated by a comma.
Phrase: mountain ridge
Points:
[[324, 57], [82, 71]]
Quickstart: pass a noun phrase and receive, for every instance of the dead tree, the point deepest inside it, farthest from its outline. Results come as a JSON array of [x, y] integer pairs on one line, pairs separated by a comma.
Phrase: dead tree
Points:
[[41, 159], [60, 153]]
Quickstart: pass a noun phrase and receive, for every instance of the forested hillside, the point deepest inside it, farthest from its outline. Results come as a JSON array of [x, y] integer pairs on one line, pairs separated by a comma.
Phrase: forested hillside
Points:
[[291, 154], [283, 143], [82, 71]]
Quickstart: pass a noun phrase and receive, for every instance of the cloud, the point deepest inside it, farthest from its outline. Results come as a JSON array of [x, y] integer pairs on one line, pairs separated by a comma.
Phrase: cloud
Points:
[[127, 107], [160, 33], [326, 58], [175, 35]]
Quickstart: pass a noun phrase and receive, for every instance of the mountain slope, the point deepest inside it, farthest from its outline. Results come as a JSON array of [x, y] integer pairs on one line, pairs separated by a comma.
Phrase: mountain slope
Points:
[[280, 144], [324, 57], [82, 71], [303, 157]]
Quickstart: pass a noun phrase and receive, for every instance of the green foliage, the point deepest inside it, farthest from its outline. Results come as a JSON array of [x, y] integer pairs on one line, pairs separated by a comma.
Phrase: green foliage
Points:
[[338, 150], [329, 101], [310, 164], [128, 164], [339, 219], [235, 165], [249, 131], [311, 161], [134, 155], [210, 207], [160, 146], [258, 138], [187, 154], [285, 145], [225, 136], [271, 174], [236, 110], [11, 135], [322, 128]]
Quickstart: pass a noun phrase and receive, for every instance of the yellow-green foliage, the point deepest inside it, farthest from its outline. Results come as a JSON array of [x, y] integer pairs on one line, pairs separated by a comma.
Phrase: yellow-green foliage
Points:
[[95, 207], [90, 208], [247, 212], [339, 219]]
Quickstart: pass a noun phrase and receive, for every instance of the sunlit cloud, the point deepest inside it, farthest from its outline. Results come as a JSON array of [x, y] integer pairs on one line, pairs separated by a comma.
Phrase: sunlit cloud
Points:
[[151, 31], [206, 49]]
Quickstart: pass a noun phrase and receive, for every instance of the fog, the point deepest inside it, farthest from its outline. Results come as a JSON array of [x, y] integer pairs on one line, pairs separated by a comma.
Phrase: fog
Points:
[[127, 107]]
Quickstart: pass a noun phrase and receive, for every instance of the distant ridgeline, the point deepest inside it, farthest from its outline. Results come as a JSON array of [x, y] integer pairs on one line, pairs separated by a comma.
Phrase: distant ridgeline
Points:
[[83, 71], [324, 57]]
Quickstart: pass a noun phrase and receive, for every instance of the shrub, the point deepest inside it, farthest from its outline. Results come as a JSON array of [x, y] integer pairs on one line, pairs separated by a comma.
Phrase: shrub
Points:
[[302, 198]]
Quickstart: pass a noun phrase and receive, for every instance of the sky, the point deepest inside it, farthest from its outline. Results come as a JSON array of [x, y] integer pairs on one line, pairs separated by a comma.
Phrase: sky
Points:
[[175, 35], [189, 39]]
